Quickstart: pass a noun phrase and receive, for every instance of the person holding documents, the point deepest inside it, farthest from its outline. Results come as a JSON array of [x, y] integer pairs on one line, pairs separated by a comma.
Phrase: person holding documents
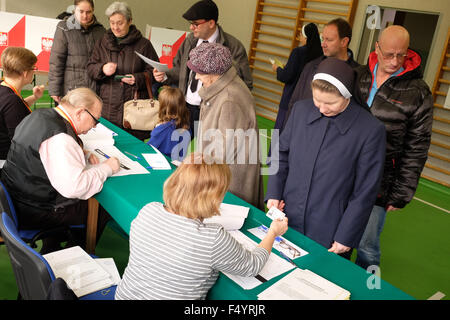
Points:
[[331, 156], [119, 72], [202, 16], [45, 171], [173, 253]]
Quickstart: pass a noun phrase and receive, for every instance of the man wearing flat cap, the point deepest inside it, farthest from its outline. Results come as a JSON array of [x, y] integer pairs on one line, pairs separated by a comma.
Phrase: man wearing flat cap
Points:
[[203, 17], [331, 156]]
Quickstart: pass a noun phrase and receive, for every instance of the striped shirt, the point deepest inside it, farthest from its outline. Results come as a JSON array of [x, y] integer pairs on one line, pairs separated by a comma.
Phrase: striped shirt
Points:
[[174, 257]]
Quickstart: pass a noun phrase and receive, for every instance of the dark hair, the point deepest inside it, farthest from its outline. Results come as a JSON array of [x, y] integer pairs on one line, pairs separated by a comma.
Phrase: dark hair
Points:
[[91, 2], [314, 48], [172, 106], [343, 27]]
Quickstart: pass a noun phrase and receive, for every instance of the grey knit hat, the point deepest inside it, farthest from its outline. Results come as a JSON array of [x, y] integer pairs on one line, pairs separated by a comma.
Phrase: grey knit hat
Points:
[[210, 58]]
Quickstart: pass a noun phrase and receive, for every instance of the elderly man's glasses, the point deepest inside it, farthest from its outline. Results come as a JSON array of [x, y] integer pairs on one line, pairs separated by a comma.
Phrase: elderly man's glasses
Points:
[[196, 24], [96, 121], [390, 56]]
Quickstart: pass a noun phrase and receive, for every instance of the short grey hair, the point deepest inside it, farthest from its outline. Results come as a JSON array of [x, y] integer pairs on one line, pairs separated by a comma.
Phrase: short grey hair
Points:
[[121, 8], [81, 97]]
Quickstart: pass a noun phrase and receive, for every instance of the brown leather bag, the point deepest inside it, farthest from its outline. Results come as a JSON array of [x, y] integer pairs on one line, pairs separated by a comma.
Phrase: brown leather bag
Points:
[[141, 114]]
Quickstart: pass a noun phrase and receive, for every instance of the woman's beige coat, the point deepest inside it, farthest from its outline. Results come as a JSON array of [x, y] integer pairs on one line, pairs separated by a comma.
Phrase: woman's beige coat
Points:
[[228, 131]]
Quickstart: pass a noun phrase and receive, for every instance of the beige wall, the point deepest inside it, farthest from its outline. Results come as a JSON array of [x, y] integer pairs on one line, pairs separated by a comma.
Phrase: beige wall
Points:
[[435, 6], [236, 17]]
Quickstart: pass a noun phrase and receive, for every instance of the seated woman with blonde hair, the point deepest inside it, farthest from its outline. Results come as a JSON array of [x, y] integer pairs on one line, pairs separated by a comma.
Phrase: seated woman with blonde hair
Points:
[[173, 254]]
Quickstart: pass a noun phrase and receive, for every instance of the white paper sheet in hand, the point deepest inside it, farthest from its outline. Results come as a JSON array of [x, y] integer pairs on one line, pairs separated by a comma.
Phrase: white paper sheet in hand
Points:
[[232, 217], [161, 67]]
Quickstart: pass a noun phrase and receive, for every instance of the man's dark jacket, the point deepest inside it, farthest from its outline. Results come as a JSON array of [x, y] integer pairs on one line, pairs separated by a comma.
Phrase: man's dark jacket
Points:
[[404, 104]]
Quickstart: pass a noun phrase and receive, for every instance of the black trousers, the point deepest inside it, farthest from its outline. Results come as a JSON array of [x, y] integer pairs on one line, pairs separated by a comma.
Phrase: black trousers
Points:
[[194, 115], [75, 214]]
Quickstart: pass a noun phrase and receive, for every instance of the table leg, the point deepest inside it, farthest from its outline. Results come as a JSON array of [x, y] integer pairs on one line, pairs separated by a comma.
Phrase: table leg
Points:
[[91, 227]]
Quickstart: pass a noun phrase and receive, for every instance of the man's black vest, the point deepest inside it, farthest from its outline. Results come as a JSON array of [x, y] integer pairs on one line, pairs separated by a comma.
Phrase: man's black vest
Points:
[[23, 174]]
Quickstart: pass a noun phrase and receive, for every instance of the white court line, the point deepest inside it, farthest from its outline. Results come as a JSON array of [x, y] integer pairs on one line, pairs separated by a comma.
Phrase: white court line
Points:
[[432, 205], [437, 296]]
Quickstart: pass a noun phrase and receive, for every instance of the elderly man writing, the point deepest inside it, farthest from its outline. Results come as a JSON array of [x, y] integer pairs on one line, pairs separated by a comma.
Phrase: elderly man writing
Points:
[[45, 170], [392, 87]]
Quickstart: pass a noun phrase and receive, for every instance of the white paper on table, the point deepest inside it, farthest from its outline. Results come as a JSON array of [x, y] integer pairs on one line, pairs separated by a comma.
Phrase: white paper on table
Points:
[[274, 266], [79, 270], [109, 266], [304, 285], [97, 137], [157, 160], [161, 67], [112, 151], [294, 253], [232, 217]]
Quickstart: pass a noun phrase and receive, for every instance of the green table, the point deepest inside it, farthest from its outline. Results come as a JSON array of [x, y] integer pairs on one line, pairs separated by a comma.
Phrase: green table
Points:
[[123, 197]]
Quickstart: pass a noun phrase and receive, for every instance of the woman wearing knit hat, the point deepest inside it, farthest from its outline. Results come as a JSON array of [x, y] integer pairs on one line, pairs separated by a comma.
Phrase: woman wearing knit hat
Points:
[[227, 127], [331, 156]]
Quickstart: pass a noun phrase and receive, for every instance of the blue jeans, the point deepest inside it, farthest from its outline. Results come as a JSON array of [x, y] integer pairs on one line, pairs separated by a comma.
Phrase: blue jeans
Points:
[[369, 246]]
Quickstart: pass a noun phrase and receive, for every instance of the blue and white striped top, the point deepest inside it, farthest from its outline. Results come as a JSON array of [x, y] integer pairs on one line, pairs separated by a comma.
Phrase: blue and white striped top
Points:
[[174, 257]]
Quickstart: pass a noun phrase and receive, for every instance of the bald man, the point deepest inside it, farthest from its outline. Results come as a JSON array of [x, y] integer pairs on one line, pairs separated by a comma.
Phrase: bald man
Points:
[[392, 88]]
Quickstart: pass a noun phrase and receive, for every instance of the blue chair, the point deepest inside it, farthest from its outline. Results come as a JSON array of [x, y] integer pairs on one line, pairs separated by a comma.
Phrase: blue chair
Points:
[[32, 272], [30, 236]]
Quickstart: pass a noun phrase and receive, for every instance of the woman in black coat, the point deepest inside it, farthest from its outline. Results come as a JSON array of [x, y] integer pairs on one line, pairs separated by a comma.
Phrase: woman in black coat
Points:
[[299, 57], [113, 56]]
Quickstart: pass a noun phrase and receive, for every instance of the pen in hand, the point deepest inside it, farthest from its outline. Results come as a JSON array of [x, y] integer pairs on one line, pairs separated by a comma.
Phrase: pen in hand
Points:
[[107, 157]]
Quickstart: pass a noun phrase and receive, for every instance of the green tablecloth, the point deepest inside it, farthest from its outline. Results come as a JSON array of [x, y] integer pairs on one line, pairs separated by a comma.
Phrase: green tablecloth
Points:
[[123, 197]]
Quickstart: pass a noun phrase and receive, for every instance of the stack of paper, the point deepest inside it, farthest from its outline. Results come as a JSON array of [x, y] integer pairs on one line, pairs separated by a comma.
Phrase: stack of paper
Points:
[[304, 285], [98, 137], [232, 217], [82, 273]]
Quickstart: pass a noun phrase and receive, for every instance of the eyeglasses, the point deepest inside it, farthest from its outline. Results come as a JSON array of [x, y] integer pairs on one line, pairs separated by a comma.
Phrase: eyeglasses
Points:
[[96, 121], [282, 243], [390, 56], [196, 24]]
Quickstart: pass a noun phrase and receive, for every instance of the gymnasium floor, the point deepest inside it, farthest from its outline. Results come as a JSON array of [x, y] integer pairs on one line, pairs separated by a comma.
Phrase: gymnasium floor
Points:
[[415, 244]]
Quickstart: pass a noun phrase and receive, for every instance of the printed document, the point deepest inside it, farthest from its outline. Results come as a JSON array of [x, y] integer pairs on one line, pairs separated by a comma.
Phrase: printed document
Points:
[[274, 267], [157, 161], [304, 285], [232, 217], [161, 67], [80, 271], [291, 250], [97, 137], [134, 167]]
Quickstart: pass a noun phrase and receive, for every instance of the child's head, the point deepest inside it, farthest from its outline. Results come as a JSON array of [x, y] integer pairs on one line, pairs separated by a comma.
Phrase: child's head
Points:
[[172, 106], [196, 189]]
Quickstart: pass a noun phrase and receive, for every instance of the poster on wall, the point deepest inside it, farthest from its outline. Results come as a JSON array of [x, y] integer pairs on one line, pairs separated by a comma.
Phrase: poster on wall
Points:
[[166, 42], [33, 33]]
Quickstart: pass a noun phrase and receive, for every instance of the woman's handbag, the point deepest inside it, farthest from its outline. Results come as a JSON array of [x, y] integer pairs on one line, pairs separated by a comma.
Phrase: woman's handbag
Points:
[[141, 114]]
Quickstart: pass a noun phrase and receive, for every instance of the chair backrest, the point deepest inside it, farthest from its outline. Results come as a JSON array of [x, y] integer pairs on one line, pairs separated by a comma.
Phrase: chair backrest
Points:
[[33, 273], [6, 204]]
